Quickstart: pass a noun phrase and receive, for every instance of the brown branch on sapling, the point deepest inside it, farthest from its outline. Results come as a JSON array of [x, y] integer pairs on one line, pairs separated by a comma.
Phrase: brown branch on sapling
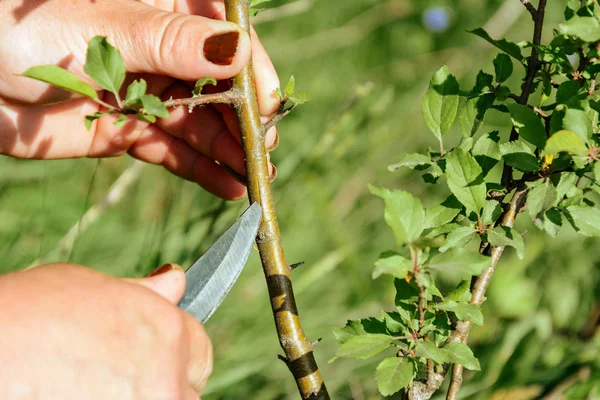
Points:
[[530, 8], [228, 97], [297, 348]]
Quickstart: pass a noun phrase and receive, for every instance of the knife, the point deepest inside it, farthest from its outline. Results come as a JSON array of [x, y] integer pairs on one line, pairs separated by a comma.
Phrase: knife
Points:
[[211, 278]]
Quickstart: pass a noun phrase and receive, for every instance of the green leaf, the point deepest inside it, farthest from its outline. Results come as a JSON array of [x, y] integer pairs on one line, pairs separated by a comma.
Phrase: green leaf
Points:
[[551, 222], [510, 48], [411, 161], [299, 97], [465, 180], [440, 103], [570, 93], [426, 280], [393, 374], [404, 213], [579, 122], [135, 91], [459, 238], [352, 328], [394, 322], [487, 151], [461, 293], [440, 214], [104, 65], [61, 78], [566, 185], [584, 28], [146, 118], [363, 346], [290, 87], [528, 124], [463, 311], [461, 354], [200, 83], [392, 264], [518, 155], [541, 198], [585, 220], [505, 236], [566, 141], [473, 112], [153, 106], [91, 118], [119, 122], [503, 67], [491, 212], [430, 351], [484, 82], [466, 262]]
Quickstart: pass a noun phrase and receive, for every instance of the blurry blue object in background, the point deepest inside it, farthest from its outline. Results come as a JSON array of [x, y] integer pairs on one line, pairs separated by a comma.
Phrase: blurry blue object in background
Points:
[[436, 19]]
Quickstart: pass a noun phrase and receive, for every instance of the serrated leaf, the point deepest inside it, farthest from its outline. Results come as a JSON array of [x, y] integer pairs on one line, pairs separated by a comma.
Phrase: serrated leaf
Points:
[[541, 198], [395, 322], [440, 214], [465, 180], [393, 374], [299, 97], [528, 124], [466, 262], [463, 311], [135, 91], [570, 93], [518, 155], [404, 213], [584, 28], [411, 161], [551, 222], [459, 237], [510, 48], [426, 280], [392, 264], [585, 220], [460, 353], [473, 112], [363, 346], [487, 151], [440, 104], [491, 212], [61, 78], [505, 236], [105, 65], [566, 141], [290, 87], [430, 351], [579, 122], [152, 105], [91, 118], [352, 328], [503, 67], [146, 118], [461, 293], [567, 185], [483, 82]]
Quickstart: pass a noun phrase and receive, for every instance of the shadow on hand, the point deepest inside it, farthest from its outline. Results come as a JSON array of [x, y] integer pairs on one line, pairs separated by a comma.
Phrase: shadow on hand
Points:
[[27, 7]]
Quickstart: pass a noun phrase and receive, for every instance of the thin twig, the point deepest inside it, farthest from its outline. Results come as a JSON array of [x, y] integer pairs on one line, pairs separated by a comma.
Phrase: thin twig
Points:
[[278, 117], [297, 348], [228, 97], [530, 8]]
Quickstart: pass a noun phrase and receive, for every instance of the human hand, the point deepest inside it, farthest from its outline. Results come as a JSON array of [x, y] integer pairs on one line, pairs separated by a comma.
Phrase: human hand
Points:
[[162, 42], [69, 332]]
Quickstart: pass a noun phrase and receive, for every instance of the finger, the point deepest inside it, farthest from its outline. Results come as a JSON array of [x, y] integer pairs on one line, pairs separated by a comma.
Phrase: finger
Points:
[[266, 77], [200, 363], [205, 131], [167, 281], [158, 147], [186, 47]]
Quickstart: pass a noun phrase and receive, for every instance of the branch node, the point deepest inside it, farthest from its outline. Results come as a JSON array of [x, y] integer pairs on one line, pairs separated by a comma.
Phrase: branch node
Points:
[[296, 265], [315, 342], [283, 358]]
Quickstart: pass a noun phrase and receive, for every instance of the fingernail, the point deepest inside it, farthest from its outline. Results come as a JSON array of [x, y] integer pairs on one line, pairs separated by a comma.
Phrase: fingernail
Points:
[[276, 142], [221, 48], [273, 174], [162, 270]]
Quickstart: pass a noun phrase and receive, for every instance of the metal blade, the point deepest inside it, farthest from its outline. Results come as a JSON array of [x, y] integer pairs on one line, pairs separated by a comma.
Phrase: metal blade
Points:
[[211, 278]]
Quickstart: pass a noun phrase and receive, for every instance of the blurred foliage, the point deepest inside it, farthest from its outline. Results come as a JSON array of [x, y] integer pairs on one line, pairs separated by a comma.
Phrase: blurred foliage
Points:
[[366, 64]]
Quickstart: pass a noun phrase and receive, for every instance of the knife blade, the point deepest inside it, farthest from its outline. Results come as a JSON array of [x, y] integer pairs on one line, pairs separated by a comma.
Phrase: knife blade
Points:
[[210, 279]]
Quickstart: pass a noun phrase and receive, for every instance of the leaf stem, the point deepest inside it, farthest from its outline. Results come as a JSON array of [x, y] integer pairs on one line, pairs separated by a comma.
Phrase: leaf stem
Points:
[[298, 350]]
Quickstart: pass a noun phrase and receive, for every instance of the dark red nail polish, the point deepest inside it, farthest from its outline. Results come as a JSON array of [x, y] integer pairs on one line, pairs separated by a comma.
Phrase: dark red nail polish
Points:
[[221, 48], [161, 270]]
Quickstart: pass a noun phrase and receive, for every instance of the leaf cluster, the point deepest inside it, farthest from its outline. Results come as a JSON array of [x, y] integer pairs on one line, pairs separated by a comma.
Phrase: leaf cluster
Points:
[[551, 155]]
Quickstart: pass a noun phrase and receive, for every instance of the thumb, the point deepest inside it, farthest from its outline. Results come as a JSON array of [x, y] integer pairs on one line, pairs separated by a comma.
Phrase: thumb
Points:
[[167, 281], [186, 47]]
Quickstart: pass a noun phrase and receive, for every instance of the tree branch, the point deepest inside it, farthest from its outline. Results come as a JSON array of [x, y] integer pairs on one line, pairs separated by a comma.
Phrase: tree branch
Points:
[[298, 350], [530, 8]]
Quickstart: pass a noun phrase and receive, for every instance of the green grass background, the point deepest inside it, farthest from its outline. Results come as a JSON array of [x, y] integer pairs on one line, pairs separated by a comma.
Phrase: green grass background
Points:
[[367, 64]]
